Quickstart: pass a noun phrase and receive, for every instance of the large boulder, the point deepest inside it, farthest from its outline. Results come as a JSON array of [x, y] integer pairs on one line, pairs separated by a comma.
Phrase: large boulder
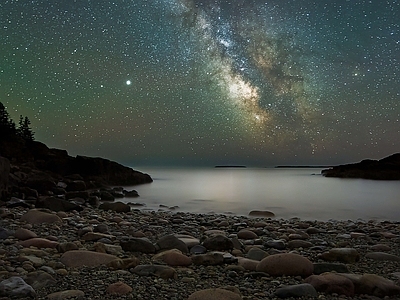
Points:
[[57, 204], [218, 242], [345, 255], [372, 284], [16, 287], [80, 258], [35, 216], [164, 272], [170, 241], [330, 283], [215, 293], [289, 264]]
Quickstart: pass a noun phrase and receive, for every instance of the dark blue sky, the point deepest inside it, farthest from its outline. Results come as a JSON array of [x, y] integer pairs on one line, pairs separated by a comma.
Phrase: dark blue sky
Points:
[[206, 82]]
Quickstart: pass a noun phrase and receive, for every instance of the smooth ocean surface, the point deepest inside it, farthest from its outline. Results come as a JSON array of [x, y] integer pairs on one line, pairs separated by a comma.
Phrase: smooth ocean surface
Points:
[[302, 193]]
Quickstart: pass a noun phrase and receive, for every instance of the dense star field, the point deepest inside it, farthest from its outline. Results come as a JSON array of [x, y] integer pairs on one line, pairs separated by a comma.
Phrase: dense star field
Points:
[[206, 82]]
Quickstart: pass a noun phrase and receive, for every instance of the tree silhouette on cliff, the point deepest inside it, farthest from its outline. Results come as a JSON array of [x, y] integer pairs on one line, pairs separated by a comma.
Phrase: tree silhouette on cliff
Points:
[[24, 130], [8, 129], [7, 126]]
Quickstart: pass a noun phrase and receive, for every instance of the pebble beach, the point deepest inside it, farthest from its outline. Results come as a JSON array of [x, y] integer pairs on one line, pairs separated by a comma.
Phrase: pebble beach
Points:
[[118, 254]]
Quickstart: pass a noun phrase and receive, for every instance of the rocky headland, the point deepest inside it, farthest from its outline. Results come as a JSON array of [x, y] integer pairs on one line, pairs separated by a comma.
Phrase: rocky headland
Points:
[[387, 168]]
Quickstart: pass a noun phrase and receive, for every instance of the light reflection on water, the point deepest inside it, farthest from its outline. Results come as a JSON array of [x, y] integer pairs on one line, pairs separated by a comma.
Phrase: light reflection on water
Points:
[[286, 192]]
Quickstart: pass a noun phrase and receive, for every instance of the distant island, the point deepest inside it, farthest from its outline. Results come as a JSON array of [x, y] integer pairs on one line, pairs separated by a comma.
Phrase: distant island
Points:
[[230, 166], [301, 167], [387, 168]]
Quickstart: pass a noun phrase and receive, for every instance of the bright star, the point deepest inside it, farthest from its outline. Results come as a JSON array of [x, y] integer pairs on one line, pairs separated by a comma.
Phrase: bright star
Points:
[[128, 82]]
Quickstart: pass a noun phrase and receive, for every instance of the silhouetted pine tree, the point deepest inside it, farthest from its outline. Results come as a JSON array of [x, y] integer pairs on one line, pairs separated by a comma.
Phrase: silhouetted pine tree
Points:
[[24, 129], [7, 126]]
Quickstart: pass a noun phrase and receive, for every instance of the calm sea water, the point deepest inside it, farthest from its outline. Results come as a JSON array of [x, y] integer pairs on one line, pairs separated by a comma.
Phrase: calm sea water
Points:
[[286, 192]]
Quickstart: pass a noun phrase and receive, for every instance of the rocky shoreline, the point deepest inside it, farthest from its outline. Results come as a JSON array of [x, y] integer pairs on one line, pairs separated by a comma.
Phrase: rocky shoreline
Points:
[[107, 253], [387, 168]]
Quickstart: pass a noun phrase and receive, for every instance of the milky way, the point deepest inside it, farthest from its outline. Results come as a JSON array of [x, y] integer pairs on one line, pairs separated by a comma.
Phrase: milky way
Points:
[[206, 82]]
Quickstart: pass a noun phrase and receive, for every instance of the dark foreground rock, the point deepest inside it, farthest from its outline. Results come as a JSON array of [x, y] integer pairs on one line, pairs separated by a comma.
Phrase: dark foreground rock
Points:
[[387, 168]]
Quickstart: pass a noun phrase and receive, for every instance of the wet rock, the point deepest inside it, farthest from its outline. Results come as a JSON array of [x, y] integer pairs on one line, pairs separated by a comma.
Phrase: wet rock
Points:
[[320, 268], [248, 264], [189, 240], [298, 290], [16, 287], [106, 196], [115, 206], [346, 255], [131, 194], [5, 233], [214, 232], [39, 280], [389, 235], [80, 258], [215, 293], [35, 216], [261, 213], [76, 185], [67, 294], [289, 264], [247, 235], [123, 264], [39, 243], [218, 243], [256, 253], [372, 284], [16, 202], [173, 258], [142, 245], [299, 244], [42, 185], [208, 259], [77, 194], [276, 244], [119, 288], [24, 234], [102, 228], [198, 249], [57, 204], [298, 236], [107, 248], [313, 230], [94, 201], [168, 242], [157, 270], [382, 256], [380, 248], [330, 283], [95, 236], [68, 246]]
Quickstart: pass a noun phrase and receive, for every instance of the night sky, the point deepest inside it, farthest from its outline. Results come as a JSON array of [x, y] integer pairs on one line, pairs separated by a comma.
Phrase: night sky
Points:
[[201, 82]]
